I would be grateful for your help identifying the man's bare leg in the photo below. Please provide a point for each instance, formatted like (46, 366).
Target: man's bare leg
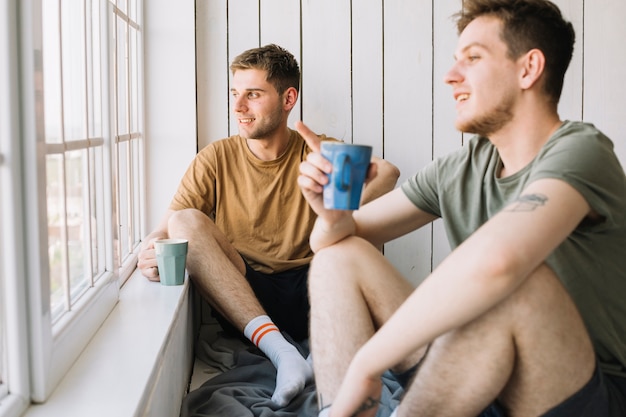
(353, 290)
(216, 267)
(218, 271)
(531, 351)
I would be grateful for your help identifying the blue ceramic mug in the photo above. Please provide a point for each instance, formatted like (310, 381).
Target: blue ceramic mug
(350, 164)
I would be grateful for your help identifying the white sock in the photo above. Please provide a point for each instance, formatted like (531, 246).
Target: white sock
(292, 369)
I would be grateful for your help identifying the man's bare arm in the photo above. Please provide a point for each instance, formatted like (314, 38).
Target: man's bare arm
(387, 175)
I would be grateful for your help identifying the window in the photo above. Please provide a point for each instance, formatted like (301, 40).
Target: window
(80, 170)
(128, 149)
(75, 154)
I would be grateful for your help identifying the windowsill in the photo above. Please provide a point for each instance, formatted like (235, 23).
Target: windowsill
(126, 369)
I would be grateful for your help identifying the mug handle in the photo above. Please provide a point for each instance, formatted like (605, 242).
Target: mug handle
(343, 176)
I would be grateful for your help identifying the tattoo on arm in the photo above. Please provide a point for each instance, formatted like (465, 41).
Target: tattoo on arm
(528, 202)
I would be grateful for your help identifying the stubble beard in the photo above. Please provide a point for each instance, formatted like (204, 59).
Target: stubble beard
(488, 123)
(271, 124)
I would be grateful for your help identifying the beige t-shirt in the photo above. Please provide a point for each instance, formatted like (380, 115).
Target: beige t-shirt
(257, 204)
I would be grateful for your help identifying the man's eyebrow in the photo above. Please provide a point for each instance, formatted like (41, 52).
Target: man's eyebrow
(248, 89)
(468, 46)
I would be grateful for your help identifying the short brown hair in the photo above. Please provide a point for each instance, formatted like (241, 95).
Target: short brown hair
(526, 25)
(282, 68)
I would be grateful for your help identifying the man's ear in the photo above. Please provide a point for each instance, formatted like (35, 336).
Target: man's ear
(533, 65)
(290, 96)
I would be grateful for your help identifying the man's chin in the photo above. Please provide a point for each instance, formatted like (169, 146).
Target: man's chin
(465, 128)
(244, 133)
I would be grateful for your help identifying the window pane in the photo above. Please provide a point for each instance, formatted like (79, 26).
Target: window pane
(129, 124)
(57, 250)
(134, 81)
(52, 71)
(96, 218)
(73, 225)
(122, 78)
(77, 224)
(94, 73)
(132, 10)
(123, 6)
(123, 181)
(74, 61)
(136, 178)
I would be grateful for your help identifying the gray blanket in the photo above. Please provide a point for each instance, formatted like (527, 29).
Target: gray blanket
(245, 387)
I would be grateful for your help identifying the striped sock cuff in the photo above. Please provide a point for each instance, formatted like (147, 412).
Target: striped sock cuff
(261, 331)
(258, 327)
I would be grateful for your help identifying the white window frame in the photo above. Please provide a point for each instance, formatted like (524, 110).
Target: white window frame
(15, 384)
(53, 348)
(40, 352)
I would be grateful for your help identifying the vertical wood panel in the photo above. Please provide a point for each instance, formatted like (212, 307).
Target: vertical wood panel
(570, 106)
(285, 34)
(367, 74)
(370, 72)
(446, 137)
(605, 69)
(243, 34)
(326, 74)
(408, 114)
(211, 71)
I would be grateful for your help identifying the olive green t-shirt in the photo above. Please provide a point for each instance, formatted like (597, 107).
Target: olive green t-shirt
(464, 190)
(256, 204)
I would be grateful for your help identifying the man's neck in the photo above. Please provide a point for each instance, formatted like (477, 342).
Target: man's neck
(520, 142)
(268, 149)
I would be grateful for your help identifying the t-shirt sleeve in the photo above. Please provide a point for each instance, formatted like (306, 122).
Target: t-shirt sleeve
(421, 189)
(587, 162)
(197, 187)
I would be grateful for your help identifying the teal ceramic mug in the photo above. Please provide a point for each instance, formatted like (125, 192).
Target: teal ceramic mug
(171, 255)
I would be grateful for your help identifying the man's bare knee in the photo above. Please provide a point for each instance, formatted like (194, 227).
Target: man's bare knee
(345, 259)
(338, 256)
(186, 219)
(554, 356)
(207, 243)
(531, 351)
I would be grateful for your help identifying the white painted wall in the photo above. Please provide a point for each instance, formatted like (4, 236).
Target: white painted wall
(170, 99)
(373, 73)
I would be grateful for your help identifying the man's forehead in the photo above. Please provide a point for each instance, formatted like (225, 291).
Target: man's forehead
(482, 32)
(251, 79)
(250, 74)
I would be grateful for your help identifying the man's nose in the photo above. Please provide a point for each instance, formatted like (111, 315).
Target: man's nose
(239, 104)
(453, 75)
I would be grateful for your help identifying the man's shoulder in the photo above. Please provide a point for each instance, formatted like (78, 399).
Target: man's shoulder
(220, 145)
(579, 138)
(321, 136)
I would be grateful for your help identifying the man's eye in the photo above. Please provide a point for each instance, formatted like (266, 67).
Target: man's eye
(253, 95)
(473, 58)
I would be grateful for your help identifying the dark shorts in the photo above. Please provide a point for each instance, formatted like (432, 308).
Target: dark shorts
(285, 298)
(603, 396)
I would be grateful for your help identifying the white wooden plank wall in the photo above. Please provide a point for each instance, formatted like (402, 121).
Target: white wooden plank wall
(372, 72)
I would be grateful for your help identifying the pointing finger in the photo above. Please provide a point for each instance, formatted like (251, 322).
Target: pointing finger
(311, 138)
